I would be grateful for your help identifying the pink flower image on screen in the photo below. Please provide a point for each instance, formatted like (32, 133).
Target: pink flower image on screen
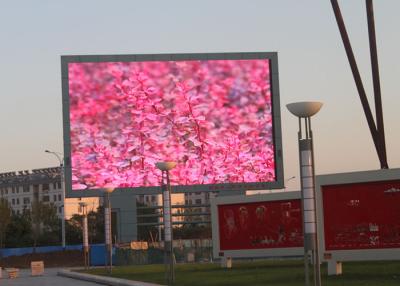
(213, 117)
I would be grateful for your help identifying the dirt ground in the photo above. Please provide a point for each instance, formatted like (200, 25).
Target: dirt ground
(70, 258)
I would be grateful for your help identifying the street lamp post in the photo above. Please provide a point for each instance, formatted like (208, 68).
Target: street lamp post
(107, 227)
(60, 158)
(165, 167)
(304, 111)
(85, 234)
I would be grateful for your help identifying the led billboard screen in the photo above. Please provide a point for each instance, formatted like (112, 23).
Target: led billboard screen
(217, 118)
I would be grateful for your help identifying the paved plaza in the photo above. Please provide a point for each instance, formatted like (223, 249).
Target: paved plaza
(50, 278)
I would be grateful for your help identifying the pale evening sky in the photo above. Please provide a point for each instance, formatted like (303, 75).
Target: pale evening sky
(312, 65)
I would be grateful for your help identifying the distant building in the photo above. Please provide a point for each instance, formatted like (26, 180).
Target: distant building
(21, 188)
(156, 200)
(198, 202)
(149, 200)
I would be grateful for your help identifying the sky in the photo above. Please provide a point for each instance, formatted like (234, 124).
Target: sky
(312, 66)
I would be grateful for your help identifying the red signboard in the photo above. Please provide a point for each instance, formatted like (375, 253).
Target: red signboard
(260, 225)
(362, 215)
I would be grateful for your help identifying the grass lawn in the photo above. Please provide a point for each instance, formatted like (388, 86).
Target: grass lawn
(281, 273)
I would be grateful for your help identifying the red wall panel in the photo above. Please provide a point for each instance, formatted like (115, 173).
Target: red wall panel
(270, 224)
(362, 215)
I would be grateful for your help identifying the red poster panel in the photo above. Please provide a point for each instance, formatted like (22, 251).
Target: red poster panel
(260, 225)
(362, 215)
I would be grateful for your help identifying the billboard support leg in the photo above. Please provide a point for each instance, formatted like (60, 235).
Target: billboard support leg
(306, 269)
(334, 267)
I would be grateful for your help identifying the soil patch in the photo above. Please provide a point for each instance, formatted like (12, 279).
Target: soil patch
(68, 258)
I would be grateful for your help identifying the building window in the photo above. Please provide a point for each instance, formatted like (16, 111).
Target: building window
(54, 185)
(198, 202)
(17, 201)
(17, 189)
(25, 189)
(54, 198)
(59, 185)
(59, 197)
(13, 201)
(45, 187)
(36, 188)
(27, 201)
(13, 190)
(46, 199)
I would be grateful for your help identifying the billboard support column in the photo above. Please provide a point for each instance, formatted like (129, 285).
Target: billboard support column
(304, 111)
(107, 228)
(165, 167)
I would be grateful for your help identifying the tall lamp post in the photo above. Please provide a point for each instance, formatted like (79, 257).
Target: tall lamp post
(304, 111)
(60, 158)
(85, 234)
(107, 227)
(165, 167)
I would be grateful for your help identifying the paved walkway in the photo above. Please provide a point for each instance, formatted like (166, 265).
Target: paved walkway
(49, 279)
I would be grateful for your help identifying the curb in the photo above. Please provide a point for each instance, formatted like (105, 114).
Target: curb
(103, 279)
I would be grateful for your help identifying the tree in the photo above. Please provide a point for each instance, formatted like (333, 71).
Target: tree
(5, 219)
(96, 225)
(146, 233)
(74, 229)
(19, 231)
(45, 223)
(193, 231)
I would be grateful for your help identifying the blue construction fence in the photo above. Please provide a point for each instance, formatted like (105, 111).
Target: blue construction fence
(98, 255)
(184, 251)
(97, 252)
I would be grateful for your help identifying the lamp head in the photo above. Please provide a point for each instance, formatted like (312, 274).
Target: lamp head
(304, 108)
(109, 189)
(165, 166)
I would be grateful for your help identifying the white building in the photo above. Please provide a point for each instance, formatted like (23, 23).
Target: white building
(21, 188)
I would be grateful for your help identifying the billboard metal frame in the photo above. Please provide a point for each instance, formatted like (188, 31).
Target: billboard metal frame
(250, 253)
(333, 256)
(276, 115)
